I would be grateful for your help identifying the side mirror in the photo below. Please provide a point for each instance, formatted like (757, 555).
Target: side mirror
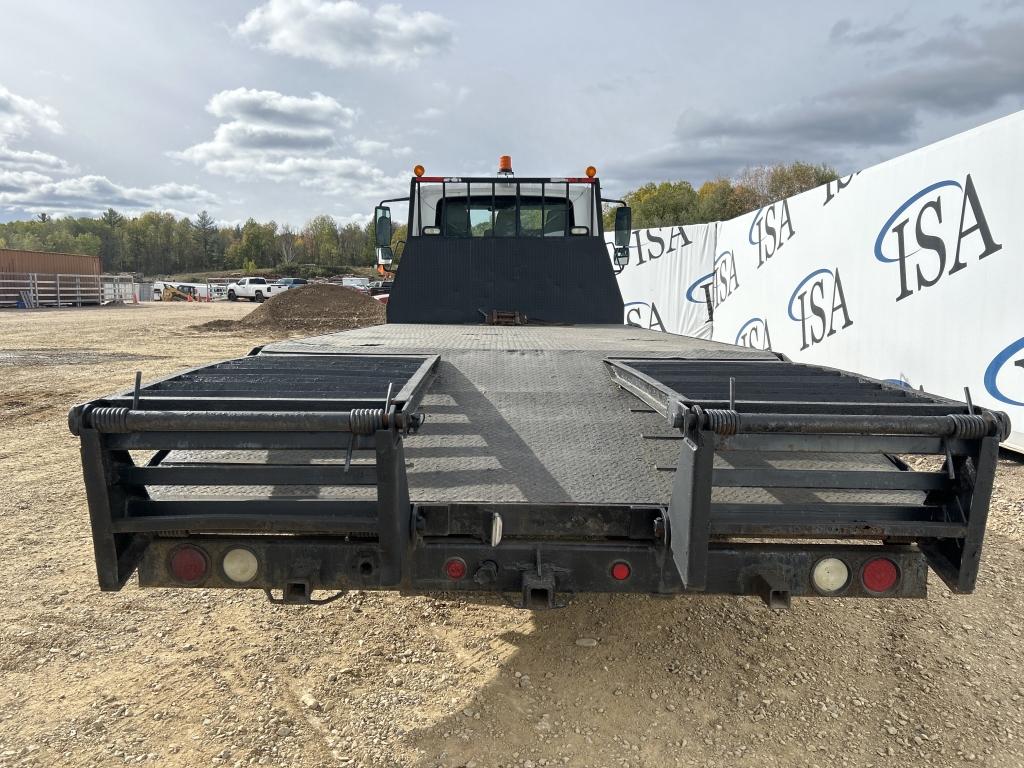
(385, 255)
(382, 228)
(621, 255)
(623, 225)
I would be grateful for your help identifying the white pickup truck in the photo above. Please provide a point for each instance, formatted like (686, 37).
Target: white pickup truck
(253, 289)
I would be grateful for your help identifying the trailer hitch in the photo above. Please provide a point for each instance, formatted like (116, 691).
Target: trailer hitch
(299, 592)
(539, 586)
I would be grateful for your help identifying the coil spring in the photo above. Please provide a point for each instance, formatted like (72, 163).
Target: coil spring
(1004, 424)
(722, 421)
(109, 419)
(969, 427)
(366, 421)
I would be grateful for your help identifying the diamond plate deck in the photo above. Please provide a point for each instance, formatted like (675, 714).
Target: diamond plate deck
(530, 414)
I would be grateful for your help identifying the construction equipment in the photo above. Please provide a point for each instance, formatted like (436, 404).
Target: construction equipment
(172, 292)
(556, 452)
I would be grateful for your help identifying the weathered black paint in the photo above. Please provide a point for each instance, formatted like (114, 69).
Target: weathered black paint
(561, 280)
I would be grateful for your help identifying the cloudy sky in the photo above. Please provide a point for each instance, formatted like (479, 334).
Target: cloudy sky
(287, 108)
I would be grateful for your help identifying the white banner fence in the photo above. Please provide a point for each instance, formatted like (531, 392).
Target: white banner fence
(910, 271)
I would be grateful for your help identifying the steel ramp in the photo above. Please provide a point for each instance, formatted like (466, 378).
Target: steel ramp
(785, 414)
(329, 404)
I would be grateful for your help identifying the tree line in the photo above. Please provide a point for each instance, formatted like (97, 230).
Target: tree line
(160, 244)
(672, 203)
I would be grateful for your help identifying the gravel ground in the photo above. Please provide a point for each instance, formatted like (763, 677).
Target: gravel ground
(194, 677)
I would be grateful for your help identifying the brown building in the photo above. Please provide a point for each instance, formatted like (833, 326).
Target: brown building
(34, 278)
(37, 262)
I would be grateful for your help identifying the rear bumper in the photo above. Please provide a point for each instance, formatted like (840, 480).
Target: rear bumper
(299, 565)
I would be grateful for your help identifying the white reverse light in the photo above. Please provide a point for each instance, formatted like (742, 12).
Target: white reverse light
(830, 574)
(240, 565)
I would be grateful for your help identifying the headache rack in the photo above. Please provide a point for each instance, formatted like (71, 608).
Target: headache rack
(767, 420)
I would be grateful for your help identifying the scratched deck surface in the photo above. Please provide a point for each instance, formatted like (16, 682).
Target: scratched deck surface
(530, 414)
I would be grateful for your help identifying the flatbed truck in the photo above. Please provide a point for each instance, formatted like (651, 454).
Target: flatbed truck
(505, 432)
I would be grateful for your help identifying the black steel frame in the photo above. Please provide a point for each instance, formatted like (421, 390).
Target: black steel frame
(380, 538)
(792, 411)
(125, 518)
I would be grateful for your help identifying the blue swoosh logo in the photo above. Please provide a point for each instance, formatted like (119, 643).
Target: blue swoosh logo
(757, 218)
(744, 327)
(702, 280)
(892, 219)
(993, 371)
(898, 383)
(801, 285)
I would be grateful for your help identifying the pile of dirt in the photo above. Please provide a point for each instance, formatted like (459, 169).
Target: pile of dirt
(315, 308)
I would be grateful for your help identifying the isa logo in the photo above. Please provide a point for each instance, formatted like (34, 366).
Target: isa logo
(719, 284)
(641, 314)
(1004, 377)
(833, 188)
(819, 305)
(771, 228)
(754, 334)
(936, 233)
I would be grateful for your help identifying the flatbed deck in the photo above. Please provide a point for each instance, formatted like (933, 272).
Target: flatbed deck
(530, 414)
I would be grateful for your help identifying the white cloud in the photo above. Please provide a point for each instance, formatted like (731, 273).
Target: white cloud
(16, 160)
(236, 138)
(39, 182)
(343, 33)
(276, 108)
(359, 219)
(266, 125)
(280, 138)
(18, 115)
(20, 181)
(369, 146)
(88, 195)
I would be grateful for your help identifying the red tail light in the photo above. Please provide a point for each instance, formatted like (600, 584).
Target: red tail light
(189, 564)
(879, 575)
(455, 568)
(621, 571)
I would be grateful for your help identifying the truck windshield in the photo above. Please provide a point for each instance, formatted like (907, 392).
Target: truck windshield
(504, 209)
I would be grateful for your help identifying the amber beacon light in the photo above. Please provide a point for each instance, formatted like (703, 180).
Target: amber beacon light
(418, 170)
(505, 164)
(591, 171)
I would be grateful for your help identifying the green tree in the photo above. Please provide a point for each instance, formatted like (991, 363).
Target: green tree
(110, 245)
(205, 229)
(660, 205)
(777, 182)
(714, 199)
(257, 244)
(321, 238)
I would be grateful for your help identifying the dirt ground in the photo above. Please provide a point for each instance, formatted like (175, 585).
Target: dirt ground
(196, 677)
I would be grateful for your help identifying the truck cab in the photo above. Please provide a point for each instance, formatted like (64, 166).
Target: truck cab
(531, 248)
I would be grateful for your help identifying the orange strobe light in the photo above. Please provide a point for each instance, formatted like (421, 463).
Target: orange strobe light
(591, 171)
(505, 164)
